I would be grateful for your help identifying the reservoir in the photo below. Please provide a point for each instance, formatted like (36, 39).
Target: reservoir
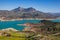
(13, 24)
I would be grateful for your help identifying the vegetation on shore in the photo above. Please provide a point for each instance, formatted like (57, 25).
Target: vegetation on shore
(50, 30)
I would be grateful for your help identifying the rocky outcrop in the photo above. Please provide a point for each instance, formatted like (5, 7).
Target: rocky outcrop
(45, 26)
(9, 29)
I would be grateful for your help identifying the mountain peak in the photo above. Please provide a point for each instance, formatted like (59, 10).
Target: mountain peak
(21, 9)
(30, 9)
(18, 9)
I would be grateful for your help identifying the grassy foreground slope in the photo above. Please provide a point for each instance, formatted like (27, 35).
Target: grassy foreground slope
(12, 38)
(16, 36)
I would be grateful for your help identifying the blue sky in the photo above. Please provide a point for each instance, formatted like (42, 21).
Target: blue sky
(41, 5)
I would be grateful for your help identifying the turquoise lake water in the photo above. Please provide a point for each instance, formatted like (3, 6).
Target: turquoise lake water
(13, 24)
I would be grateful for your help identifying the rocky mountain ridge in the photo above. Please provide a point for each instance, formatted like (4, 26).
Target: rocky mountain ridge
(26, 13)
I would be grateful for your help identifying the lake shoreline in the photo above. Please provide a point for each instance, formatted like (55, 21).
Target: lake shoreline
(25, 19)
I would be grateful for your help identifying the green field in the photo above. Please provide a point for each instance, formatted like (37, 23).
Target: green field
(17, 36)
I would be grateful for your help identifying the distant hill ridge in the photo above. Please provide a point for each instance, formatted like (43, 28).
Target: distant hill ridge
(26, 13)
